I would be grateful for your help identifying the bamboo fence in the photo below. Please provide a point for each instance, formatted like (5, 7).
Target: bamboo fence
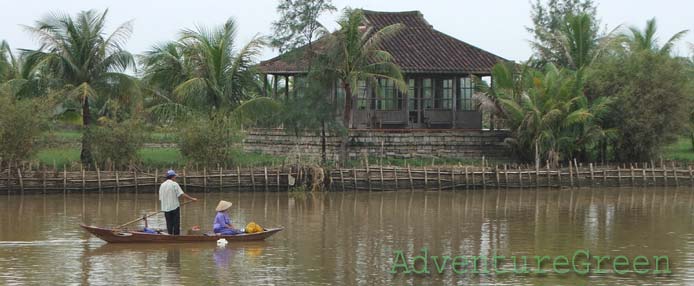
(365, 178)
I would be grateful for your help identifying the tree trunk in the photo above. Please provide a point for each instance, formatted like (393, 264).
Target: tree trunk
(324, 158)
(347, 114)
(86, 152)
(537, 156)
(691, 136)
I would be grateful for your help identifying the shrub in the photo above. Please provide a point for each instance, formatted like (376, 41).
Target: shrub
(21, 124)
(208, 141)
(117, 142)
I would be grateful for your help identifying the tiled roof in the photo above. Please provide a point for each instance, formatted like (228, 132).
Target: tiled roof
(418, 48)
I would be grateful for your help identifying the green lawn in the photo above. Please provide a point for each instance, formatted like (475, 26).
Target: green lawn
(152, 157)
(680, 150)
(76, 135)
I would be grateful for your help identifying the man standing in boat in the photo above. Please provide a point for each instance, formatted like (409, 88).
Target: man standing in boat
(169, 191)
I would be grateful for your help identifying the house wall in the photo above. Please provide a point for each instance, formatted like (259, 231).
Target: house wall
(400, 143)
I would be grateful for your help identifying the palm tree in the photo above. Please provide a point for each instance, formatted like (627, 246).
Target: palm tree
(354, 54)
(545, 111)
(87, 61)
(646, 40)
(220, 75)
(202, 71)
(577, 42)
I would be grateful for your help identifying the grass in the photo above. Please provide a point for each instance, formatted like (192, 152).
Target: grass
(681, 150)
(58, 156)
(75, 136)
(152, 157)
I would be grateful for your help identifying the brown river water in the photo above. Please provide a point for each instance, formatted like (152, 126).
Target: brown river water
(352, 238)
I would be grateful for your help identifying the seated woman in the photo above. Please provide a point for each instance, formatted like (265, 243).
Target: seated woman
(222, 222)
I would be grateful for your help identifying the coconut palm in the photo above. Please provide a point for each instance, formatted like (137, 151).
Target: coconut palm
(86, 60)
(220, 75)
(545, 111)
(203, 71)
(354, 54)
(646, 40)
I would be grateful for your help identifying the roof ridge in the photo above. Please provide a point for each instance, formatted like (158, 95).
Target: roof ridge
(392, 12)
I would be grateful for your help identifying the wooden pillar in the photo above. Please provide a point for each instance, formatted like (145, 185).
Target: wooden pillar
(454, 105)
(286, 86)
(264, 85)
(275, 94)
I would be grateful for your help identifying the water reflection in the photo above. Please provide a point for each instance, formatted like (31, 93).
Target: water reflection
(348, 238)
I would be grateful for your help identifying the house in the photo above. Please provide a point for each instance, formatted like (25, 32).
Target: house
(438, 70)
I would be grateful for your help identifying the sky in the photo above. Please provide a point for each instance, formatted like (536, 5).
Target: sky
(497, 26)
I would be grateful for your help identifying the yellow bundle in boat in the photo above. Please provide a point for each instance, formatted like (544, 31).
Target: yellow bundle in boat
(253, 227)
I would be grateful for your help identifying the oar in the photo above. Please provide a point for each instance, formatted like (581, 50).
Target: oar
(144, 217)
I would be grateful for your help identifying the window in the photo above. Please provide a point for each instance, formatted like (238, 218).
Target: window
(447, 94)
(466, 88)
(388, 97)
(361, 94)
(411, 96)
(427, 88)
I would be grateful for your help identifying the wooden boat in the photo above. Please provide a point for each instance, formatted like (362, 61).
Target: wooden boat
(120, 236)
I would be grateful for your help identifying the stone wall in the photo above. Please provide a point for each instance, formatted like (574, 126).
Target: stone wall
(396, 143)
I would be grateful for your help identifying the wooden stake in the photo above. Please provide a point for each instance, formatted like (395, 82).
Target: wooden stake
(409, 174)
(484, 179)
(204, 178)
(506, 175)
(185, 181)
(383, 187)
(354, 180)
(64, 180)
(117, 181)
(691, 176)
(496, 173)
(342, 179)
(44, 180)
(136, 181)
(578, 174)
(238, 176)
(252, 178)
(631, 170)
(83, 182)
(549, 178)
(368, 173)
(98, 178)
(643, 174)
(438, 177)
(537, 176)
(266, 180)
(21, 180)
(592, 175)
(395, 176)
(674, 171)
(221, 180)
(467, 185)
(155, 181)
(278, 179)
(520, 177)
(559, 174)
(426, 179)
(571, 174)
(619, 176)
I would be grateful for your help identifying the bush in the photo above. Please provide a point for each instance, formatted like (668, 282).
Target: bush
(21, 124)
(651, 101)
(208, 141)
(117, 142)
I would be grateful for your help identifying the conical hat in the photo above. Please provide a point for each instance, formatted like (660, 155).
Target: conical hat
(222, 206)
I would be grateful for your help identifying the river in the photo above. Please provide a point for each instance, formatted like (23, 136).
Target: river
(351, 238)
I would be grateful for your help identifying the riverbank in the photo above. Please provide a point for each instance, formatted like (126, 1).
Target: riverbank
(365, 178)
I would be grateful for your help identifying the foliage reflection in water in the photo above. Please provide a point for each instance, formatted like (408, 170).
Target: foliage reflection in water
(349, 238)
